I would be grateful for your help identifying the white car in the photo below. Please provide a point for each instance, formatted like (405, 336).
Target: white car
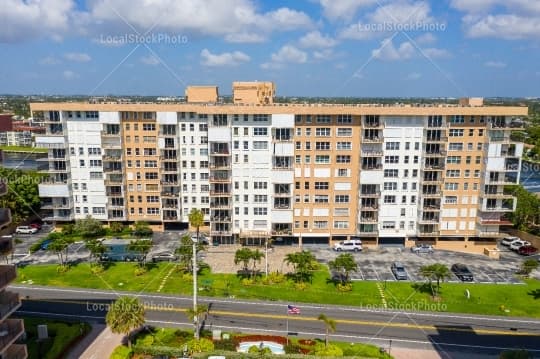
(507, 240)
(25, 230)
(517, 244)
(354, 245)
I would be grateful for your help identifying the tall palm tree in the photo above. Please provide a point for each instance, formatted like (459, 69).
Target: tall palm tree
(196, 220)
(435, 272)
(330, 326)
(125, 314)
(344, 263)
(256, 257)
(195, 314)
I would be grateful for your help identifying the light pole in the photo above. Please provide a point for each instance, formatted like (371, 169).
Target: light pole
(266, 257)
(195, 314)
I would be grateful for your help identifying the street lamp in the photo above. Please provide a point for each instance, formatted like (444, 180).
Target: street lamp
(195, 314)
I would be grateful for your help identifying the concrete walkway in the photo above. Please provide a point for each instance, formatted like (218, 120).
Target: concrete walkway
(98, 344)
(402, 353)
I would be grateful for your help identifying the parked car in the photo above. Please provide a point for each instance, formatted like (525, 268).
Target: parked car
(462, 272)
(527, 250)
(354, 245)
(399, 271)
(25, 230)
(36, 225)
(515, 245)
(164, 257)
(422, 248)
(45, 244)
(507, 240)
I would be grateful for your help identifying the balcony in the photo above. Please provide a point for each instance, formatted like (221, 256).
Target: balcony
(115, 204)
(282, 194)
(373, 139)
(220, 193)
(112, 170)
(9, 302)
(502, 181)
(436, 139)
(370, 194)
(372, 167)
(12, 330)
(369, 207)
(371, 153)
(432, 181)
(220, 205)
(436, 153)
(494, 221)
(110, 133)
(431, 194)
(169, 169)
(220, 219)
(370, 230)
(368, 220)
(490, 234)
(8, 274)
(16, 351)
(219, 165)
(282, 138)
(169, 194)
(59, 217)
(282, 206)
(498, 195)
(431, 207)
(219, 152)
(111, 143)
(428, 220)
(373, 125)
(170, 218)
(434, 166)
(220, 179)
(497, 209)
(57, 205)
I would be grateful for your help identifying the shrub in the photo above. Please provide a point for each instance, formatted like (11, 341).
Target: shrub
(254, 349)
(247, 281)
(147, 341)
(60, 269)
(301, 286)
(329, 351)
(121, 352)
(142, 229)
(188, 277)
(292, 348)
(97, 268)
(201, 345)
(347, 287)
(116, 227)
(68, 229)
(226, 344)
(139, 271)
(277, 277)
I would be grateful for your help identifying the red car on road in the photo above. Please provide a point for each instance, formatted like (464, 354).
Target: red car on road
(527, 250)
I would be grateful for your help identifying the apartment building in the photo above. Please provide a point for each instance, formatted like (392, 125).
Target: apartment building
(11, 329)
(301, 173)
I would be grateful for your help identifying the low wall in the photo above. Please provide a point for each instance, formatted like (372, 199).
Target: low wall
(464, 246)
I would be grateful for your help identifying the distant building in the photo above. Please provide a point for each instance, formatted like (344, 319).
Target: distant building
(253, 93)
(18, 133)
(202, 94)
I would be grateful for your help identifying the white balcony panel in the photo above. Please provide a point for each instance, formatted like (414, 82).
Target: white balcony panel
(284, 120)
(109, 117)
(495, 164)
(219, 134)
(50, 140)
(367, 177)
(53, 190)
(283, 177)
(284, 149)
(166, 118)
(282, 216)
(342, 186)
(321, 172)
(320, 212)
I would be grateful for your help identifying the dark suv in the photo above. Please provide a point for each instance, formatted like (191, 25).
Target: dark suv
(462, 272)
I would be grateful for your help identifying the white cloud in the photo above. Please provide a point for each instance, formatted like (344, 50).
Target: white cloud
(70, 75)
(426, 39)
(505, 19)
(414, 76)
(49, 60)
(289, 54)
(435, 53)
(150, 60)
(22, 19)
(77, 57)
(315, 39)
(495, 64)
(388, 52)
(224, 59)
(325, 54)
(244, 37)
(343, 9)
(399, 13)
(356, 32)
(271, 66)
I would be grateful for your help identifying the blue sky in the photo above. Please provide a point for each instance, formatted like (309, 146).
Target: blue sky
(358, 48)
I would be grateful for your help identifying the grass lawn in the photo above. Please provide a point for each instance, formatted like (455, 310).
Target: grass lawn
(24, 149)
(494, 299)
(61, 334)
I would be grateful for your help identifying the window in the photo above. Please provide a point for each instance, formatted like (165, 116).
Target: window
(391, 159)
(450, 199)
(98, 210)
(457, 119)
(152, 199)
(96, 175)
(390, 199)
(453, 159)
(341, 198)
(457, 146)
(306, 185)
(321, 198)
(390, 186)
(391, 173)
(260, 198)
(298, 145)
(260, 211)
(343, 172)
(341, 146)
(389, 225)
(260, 118)
(81, 163)
(260, 131)
(322, 146)
(323, 119)
(260, 185)
(344, 132)
(455, 132)
(149, 126)
(321, 132)
(151, 175)
(451, 186)
(152, 211)
(453, 173)
(150, 164)
(344, 119)
(341, 224)
(95, 163)
(341, 212)
(298, 131)
(149, 151)
(343, 159)
(320, 224)
(308, 131)
(260, 145)
(321, 185)
(392, 146)
(322, 159)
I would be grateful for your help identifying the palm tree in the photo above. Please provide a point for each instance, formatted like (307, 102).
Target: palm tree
(256, 256)
(194, 316)
(196, 219)
(437, 272)
(124, 315)
(243, 255)
(344, 263)
(302, 263)
(330, 326)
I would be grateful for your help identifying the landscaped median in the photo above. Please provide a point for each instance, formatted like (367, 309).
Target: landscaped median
(489, 299)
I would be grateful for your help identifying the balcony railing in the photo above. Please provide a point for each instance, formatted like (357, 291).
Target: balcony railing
(219, 166)
(170, 194)
(11, 329)
(372, 153)
(369, 207)
(369, 194)
(428, 220)
(220, 179)
(5, 216)
(436, 139)
(282, 206)
(502, 221)
(50, 205)
(373, 167)
(8, 274)
(373, 139)
(9, 302)
(431, 194)
(16, 351)
(221, 193)
(227, 232)
(220, 205)
(368, 220)
(221, 219)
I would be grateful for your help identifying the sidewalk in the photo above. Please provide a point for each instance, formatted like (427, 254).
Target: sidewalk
(402, 353)
(98, 344)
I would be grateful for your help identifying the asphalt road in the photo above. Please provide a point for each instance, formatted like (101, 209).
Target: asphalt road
(453, 336)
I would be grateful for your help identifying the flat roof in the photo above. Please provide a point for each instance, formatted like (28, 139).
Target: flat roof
(280, 108)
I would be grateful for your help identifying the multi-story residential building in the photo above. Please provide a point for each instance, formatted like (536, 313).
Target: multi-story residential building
(11, 329)
(300, 172)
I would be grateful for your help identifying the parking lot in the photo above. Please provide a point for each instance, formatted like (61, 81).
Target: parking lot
(374, 265)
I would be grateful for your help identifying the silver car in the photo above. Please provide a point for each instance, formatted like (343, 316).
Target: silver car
(399, 271)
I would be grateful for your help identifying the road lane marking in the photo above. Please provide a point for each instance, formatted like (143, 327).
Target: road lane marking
(440, 315)
(158, 308)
